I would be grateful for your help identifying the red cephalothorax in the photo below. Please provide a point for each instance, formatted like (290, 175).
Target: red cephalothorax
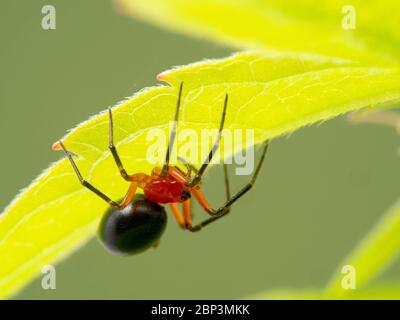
(166, 190)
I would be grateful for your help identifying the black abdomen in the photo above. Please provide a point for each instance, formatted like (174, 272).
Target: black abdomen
(133, 229)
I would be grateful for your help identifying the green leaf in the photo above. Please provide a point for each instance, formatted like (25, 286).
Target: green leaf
(381, 292)
(389, 291)
(274, 95)
(290, 25)
(373, 255)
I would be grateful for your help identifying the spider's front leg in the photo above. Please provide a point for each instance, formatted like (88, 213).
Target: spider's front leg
(119, 206)
(113, 149)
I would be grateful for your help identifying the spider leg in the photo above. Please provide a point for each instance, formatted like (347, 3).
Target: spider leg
(177, 215)
(214, 148)
(128, 197)
(113, 150)
(189, 167)
(187, 213)
(173, 133)
(202, 200)
(227, 185)
(184, 220)
(225, 209)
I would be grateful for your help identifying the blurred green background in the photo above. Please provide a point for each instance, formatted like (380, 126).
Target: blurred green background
(321, 191)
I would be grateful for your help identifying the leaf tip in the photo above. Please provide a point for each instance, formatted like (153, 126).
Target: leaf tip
(56, 146)
(161, 77)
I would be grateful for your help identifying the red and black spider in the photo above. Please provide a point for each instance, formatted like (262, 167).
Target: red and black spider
(138, 221)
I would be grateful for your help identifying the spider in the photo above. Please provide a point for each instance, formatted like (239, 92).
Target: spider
(138, 221)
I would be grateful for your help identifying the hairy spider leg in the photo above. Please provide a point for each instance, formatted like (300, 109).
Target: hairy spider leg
(113, 149)
(173, 133)
(225, 209)
(189, 167)
(214, 148)
(177, 215)
(119, 206)
(185, 219)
